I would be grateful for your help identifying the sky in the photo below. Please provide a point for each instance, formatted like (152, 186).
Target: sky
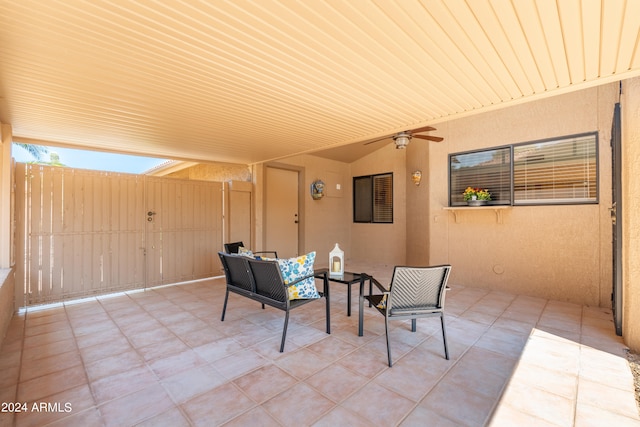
(94, 160)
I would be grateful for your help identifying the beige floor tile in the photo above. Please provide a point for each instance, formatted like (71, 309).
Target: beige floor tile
(240, 363)
(340, 416)
(336, 382)
(300, 405)
(408, 381)
(57, 407)
(219, 349)
(106, 348)
(332, 348)
(459, 404)
(190, 383)
(217, 406)
(48, 365)
(163, 357)
(507, 416)
(608, 398)
(302, 363)
(107, 335)
(89, 417)
(123, 383)
(47, 385)
(113, 365)
(421, 416)
(48, 337)
(265, 382)
(136, 407)
(541, 404)
(174, 417)
(256, 417)
(379, 405)
(594, 416)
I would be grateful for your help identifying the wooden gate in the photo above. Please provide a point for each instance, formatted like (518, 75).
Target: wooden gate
(81, 233)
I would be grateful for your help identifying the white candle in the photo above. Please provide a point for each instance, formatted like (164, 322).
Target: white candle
(336, 266)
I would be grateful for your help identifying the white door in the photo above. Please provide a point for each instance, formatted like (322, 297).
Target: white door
(281, 222)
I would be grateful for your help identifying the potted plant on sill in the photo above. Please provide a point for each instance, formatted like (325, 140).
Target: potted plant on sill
(476, 196)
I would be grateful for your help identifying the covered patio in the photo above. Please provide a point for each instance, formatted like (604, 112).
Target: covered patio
(163, 357)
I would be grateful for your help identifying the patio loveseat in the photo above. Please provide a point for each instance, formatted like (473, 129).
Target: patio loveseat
(262, 281)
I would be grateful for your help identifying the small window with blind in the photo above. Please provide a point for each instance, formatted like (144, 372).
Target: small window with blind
(487, 169)
(373, 198)
(556, 171)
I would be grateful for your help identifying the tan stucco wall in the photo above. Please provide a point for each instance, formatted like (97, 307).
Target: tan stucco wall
(418, 202)
(383, 243)
(326, 221)
(630, 109)
(556, 252)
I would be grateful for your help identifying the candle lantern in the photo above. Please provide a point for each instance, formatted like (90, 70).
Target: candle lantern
(336, 261)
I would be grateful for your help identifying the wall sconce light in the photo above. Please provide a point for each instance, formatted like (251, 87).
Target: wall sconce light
(416, 177)
(317, 189)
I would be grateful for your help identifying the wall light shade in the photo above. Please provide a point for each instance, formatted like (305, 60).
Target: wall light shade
(416, 177)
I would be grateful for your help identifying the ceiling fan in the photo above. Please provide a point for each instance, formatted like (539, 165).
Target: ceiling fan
(402, 138)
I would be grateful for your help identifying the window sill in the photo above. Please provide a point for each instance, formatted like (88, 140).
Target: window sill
(459, 210)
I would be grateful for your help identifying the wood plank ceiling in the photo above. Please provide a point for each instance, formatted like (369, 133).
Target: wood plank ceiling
(252, 81)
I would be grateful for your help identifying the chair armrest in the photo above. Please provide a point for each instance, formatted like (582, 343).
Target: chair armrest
(379, 285)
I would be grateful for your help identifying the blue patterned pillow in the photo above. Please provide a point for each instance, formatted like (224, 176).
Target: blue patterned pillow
(295, 268)
(245, 252)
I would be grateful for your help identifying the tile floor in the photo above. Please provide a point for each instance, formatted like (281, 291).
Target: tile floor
(162, 357)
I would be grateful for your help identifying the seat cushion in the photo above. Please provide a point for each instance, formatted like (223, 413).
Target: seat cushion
(293, 269)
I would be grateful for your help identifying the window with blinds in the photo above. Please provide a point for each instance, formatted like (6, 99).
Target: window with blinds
(486, 169)
(373, 198)
(558, 171)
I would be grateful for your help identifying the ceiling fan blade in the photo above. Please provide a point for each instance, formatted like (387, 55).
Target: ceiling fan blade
(424, 129)
(429, 138)
(377, 140)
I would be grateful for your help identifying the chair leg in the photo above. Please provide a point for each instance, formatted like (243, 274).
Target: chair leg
(224, 307)
(328, 311)
(444, 337)
(413, 325)
(263, 306)
(284, 330)
(386, 331)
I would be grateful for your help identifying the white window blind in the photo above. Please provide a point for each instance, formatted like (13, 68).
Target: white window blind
(383, 198)
(560, 171)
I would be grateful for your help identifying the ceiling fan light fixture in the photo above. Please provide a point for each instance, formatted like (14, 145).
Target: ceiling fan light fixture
(402, 140)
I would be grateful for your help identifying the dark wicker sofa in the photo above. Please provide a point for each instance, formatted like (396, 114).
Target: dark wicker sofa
(262, 281)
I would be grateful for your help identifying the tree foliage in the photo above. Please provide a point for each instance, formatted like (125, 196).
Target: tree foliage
(36, 151)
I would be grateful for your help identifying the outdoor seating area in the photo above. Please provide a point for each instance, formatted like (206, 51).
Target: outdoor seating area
(262, 281)
(163, 357)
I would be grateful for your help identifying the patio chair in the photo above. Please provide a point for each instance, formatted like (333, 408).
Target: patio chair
(414, 292)
(234, 247)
